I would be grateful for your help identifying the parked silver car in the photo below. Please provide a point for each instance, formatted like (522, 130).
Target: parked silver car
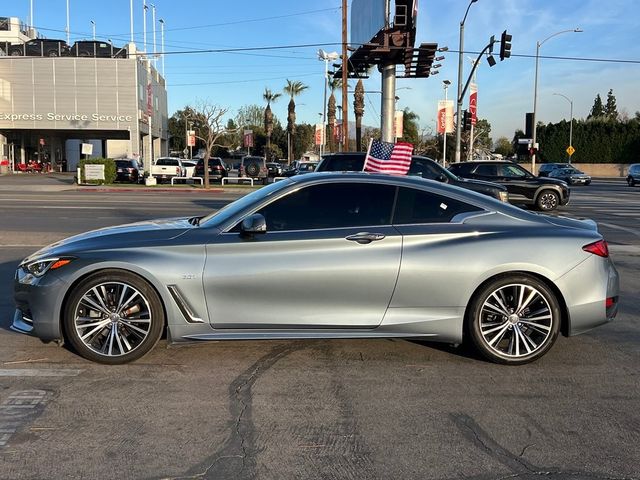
(384, 257)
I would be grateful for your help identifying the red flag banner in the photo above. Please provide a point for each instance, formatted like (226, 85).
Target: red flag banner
(385, 157)
(473, 103)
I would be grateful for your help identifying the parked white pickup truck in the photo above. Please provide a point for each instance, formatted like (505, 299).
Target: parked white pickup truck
(166, 168)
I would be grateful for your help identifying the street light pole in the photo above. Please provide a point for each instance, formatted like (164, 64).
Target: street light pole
(144, 25)
(68, 29)
(93, 29)
(162, 44)
(535, 94)
(153, 19)
(571, 121)
(459, 97)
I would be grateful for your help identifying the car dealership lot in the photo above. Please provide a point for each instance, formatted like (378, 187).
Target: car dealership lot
(313, 409)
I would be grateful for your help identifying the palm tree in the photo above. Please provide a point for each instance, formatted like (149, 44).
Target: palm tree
(292, 89)
(358, 110)
(269, 96)
(334, 84)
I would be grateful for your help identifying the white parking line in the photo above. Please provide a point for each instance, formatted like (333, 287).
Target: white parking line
(39, 372)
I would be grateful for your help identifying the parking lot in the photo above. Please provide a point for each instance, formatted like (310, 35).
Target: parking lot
(361, 409)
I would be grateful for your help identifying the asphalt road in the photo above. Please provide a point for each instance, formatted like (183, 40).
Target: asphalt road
(356, 409)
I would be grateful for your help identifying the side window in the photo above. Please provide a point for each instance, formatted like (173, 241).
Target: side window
(487, 170)
(511, 171)
(331, 206)
(418, 206)
(423, 168)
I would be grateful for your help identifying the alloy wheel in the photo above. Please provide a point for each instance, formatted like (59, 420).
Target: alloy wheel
(516, 321)
(113, 319)
(548, 201)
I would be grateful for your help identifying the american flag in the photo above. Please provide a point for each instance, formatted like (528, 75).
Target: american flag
(385, 157)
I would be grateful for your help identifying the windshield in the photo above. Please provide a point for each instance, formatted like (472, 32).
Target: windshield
(232, 209)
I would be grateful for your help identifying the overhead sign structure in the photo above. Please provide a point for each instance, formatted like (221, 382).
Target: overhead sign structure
(367, 19)
(473, 102)
(445, 116)
(570, 150)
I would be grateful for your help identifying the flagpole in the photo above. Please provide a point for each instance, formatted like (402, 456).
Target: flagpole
(364, 166)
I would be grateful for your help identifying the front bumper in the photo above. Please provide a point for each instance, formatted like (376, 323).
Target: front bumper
(38, 305)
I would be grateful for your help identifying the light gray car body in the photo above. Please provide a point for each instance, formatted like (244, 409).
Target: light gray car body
(417, 281)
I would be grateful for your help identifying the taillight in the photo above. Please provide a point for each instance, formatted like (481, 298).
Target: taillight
(130, 170)
(599, 248)
(177, 170)
(610, 302)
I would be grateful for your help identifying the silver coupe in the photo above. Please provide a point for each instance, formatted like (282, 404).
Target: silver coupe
(326, 255)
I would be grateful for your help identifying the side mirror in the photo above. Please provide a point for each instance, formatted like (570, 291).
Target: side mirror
(253, 224)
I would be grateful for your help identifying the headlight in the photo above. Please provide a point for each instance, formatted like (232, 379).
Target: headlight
(504, 196)
(39, 267)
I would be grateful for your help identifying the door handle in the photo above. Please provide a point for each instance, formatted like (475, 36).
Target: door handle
(365, 237)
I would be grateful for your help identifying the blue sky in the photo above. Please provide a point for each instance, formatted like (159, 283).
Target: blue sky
(611, 31)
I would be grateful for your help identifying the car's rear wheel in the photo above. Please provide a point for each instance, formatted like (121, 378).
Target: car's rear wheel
(15, 53)
(113, 317)
(547, 200)
(52, 53)
(514, 319)
(631, 181)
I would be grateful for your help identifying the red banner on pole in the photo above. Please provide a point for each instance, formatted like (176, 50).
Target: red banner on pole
(248, 138)
(445, 116)
(473, 103)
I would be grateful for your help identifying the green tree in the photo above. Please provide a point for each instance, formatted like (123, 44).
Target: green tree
(177, 127)
(293, 89)
(411, 128)
(358, 110)
(250, 116)
(503, 146)
(334, 84)
(269, 96)
(597, 110)
(610, 109)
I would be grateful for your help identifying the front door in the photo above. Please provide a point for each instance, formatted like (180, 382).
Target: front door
(329, 259)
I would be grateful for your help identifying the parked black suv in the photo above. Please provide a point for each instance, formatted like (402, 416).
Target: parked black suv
(217, 169)
(524, 188)
(420, 166)
(128, 170)
(41, 47)
(95, 48)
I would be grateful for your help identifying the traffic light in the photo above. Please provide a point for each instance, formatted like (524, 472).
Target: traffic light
(466, 121)
(505, 45)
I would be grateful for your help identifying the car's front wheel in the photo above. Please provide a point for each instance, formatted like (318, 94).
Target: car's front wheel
(631, 181)
(547, 200)
(113, 317)
(514, 319)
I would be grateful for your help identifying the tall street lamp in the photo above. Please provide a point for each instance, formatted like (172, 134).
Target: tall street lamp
(459, 97)
(93, 29)
(322, 55)
(571, 121)
(535, 92)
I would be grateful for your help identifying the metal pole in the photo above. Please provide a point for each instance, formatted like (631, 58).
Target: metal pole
(153, 19)
(388, 101)
(324, 105)
(535, 105)
(571, 127)
(131, 18)
(93, 29)
(162, 44)
(459, 97)
(471, 133)
(345, 97)
(67, 29)
(144, 25)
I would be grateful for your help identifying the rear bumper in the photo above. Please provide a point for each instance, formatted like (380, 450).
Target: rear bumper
(586, 289)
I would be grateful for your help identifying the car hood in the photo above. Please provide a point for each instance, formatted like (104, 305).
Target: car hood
(121, 235)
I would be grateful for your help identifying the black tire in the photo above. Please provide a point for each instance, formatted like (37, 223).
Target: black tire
(52, 53)
(588, 182)
(547, 200)
(15, 53)
(486, 317)
(126, 334)
(631, 182)
(252, 169)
